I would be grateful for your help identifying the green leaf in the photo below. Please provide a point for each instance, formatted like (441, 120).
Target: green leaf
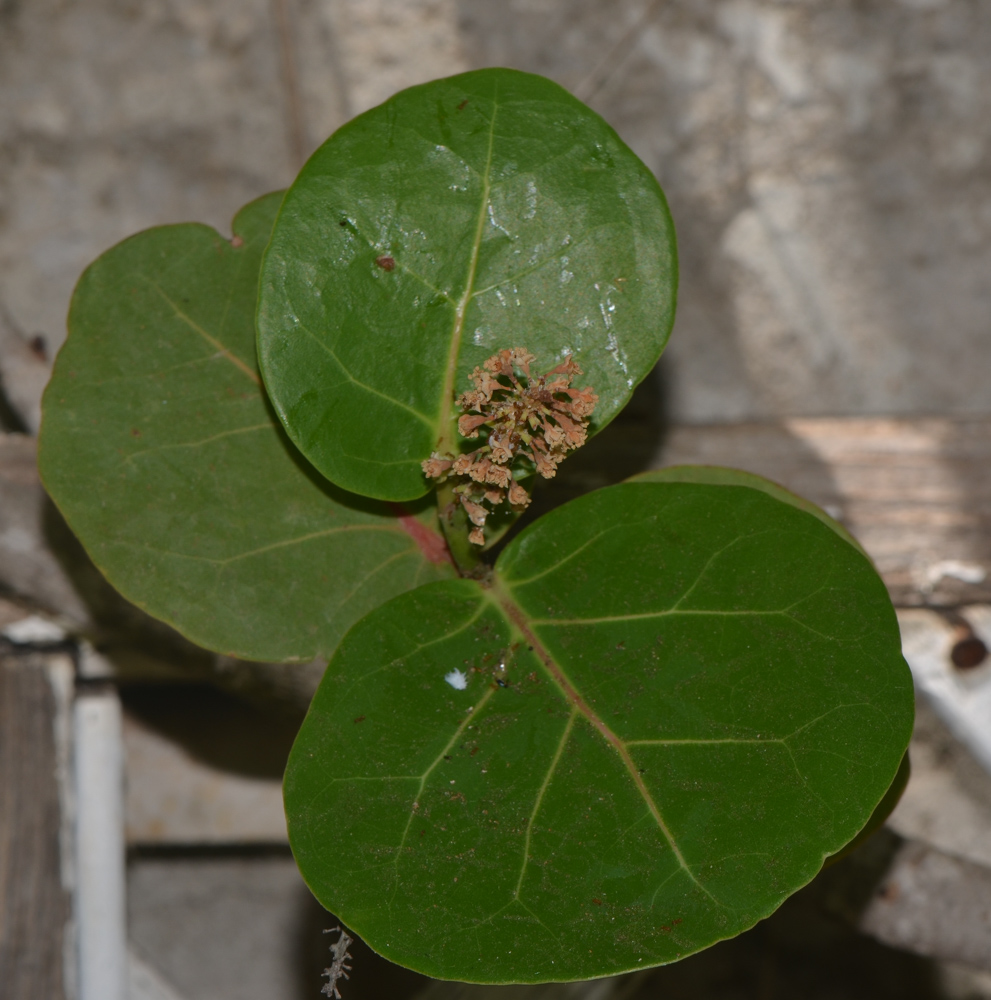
(160, 449)
(680, 699)
(484, 211)
(718, 475)
(881, 811)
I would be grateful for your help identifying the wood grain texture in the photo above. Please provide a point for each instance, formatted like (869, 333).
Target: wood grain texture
(34, 904)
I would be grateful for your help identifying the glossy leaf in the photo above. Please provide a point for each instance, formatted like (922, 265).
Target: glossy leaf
(159, 447)
(718, 475)
(480, 212)
(672, 704)
(881, 811)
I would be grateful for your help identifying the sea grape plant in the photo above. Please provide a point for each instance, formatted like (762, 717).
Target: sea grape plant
(628, 733)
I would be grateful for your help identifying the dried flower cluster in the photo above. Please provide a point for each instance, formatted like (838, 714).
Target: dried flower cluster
(536, 418)
(338, 967)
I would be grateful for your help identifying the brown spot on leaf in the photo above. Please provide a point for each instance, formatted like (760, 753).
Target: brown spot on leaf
(237, 242)
(135, 432)
(598, 902)
(360, 718)
(386, 263)
(463, 104)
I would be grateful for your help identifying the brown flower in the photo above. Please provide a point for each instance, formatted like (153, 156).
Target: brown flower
(532, 421)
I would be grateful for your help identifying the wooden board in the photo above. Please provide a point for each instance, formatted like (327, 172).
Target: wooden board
(34, 902)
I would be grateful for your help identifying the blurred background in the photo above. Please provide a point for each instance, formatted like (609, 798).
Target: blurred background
(828, 166)
(826, 163)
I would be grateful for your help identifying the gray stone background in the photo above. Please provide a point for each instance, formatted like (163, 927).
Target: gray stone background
(827, 163)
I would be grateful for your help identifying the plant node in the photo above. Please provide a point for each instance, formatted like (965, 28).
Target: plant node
(533, 421)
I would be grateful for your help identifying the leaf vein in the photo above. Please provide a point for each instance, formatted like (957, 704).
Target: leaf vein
(209, 338)
(402, 554)
(647, 615)
(540, 798)
(447, 392)
(572, 695)
(196, 444)
(262, 548)
(665, 743)
(469, 717)
(357, 382)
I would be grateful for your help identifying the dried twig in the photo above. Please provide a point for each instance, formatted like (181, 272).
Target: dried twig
(338, 967)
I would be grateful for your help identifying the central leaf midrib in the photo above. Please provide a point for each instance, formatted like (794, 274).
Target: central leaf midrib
(519, 620)
(444, 430)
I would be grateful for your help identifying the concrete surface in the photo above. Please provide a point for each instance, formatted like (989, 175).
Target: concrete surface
(905, 909)
(827, 168)
(826, 162)
(947, 803)
(223, 928)
(242, 927)
(176, 794)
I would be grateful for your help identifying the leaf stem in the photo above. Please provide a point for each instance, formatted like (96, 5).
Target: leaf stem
(455, 525)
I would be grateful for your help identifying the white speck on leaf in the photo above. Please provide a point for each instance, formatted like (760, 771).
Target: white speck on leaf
(457, 680)
(531, 200)
(492, 219)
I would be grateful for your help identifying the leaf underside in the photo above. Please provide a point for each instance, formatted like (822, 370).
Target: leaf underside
(680, 699)
(161, 450)
(484, 211)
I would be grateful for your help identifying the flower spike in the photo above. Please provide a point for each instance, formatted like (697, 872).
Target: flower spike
(533, 421)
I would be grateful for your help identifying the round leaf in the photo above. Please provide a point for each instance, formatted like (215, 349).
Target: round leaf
(485, 211)
(160, 449)
(672, 704)
(718, 475)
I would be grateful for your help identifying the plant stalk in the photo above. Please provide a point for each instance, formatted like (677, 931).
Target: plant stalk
(456, 526)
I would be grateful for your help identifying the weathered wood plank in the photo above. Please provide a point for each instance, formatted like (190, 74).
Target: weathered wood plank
(34, 903)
